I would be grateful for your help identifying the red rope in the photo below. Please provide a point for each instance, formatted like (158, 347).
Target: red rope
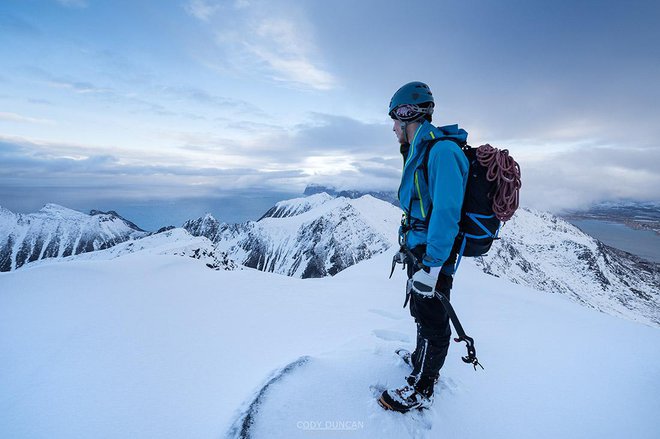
(504, 170)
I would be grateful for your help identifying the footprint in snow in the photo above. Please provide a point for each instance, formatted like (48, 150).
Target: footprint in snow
(446, 385)
(387, 335)
(386, 314)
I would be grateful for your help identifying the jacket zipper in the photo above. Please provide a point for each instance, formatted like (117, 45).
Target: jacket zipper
(419, 194)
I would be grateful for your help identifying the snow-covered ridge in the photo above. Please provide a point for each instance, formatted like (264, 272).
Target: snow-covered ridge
(389, 196)
(175, 241)
(544, 252)
(55, 231)
(314, 236)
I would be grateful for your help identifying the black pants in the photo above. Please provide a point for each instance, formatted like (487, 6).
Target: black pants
(433, 329)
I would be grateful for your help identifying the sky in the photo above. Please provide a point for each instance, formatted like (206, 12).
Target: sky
(105, 104)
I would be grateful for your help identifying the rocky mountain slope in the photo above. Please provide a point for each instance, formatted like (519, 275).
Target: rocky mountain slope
(56, 231)
(547, 253)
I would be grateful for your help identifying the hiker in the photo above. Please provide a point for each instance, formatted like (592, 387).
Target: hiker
(431, 196)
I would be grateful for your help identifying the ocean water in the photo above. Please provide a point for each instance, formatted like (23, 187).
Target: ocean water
(643, 243)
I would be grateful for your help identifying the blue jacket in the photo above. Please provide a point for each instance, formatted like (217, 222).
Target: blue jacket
(447, 174)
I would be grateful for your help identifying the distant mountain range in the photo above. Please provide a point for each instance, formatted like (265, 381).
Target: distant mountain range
(321, 235)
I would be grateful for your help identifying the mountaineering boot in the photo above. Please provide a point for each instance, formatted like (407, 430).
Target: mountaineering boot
(406, 356)
(409, 396)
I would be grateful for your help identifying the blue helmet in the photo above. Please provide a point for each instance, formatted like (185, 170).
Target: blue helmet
(411, 102)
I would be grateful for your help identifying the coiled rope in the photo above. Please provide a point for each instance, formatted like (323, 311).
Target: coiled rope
(504, 170)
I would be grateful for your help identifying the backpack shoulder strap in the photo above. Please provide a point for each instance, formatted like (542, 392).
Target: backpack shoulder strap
(425, 163)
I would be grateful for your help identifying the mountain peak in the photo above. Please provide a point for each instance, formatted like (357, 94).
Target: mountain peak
(387, 195)
(209, 217)
(56, 208)
(205, 226)
(113, 214)
(297, 206)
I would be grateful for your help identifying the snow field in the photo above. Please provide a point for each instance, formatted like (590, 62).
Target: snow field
(149, 345)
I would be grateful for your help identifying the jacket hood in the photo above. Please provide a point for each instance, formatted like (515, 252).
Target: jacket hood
(454, 132)
(428, 132)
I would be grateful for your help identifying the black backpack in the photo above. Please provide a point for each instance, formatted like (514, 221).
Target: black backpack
(479, 226)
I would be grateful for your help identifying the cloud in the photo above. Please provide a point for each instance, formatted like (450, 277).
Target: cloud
(202, 9)
(323, 136)
(327, 133)
(73, 3)
(579, 178)
(274, 41)
(291, 67)
(18, 25)
(27, 164)
(324, 145)
(13, 117)
(203, 97)
(153, 99)
(353, 154)
(287, 51)
(81, 87)
(327, 149)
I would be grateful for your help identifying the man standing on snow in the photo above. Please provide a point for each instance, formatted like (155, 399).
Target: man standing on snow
(431, 196)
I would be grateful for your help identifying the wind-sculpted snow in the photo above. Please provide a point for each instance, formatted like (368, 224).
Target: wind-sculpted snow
(56, 232)
(305, 238)
(549, 254)
(176, 241)
(241, 427)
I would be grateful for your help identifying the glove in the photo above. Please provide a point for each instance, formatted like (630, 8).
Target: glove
(424, 280)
